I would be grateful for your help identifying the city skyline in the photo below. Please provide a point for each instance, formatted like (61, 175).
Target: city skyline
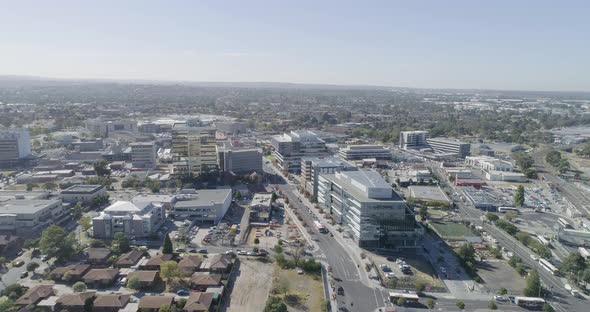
(459, 45)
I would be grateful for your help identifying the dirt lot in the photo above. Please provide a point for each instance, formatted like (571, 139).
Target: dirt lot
(498, 274)
(306, 288)
(251, 288)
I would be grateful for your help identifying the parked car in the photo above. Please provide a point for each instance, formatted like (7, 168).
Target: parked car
(340, 290)
(19, 263)
(182, 292)
(500, 298)
(24, 274)
(203, 251)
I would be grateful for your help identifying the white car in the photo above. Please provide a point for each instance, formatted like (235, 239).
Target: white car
(500, 298)
(534, 257)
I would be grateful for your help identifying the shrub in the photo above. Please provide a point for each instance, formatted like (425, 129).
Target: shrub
(461, 305)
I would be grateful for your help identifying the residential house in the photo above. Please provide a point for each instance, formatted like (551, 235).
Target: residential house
(110, 302)
(71, 273)
(73, 302)
(147, 279)
(201, 280)
(189, 264)
(98, 256)
(129, 259)
(154, 262)
(198, 302)
(218, 263)
(152, 303)
(34, 295)
(98, 278)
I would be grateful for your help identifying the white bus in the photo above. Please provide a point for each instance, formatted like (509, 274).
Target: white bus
(563, 222)
(321, 228)
(531, 302)
(505, 209)
(410, 297)
(543, 240)
(548, 266)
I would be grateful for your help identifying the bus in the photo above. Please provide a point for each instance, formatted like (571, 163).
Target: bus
(564, 223)
(321, 228)
(409, 296)
(543, 240)
(529, 302)
(548, 266)
(505, 209)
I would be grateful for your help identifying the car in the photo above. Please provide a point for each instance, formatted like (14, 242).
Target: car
(44, 258)
(229, 252)
(24, 274)
(20, 252)
(389, 275)
(249, 253)
(340, 290)
(123, 281)
(192, 250)
(534, 257)
(182, 292)
(19, 263)
(500, 298)
(203, 251)
(390, 259)
(512, 299)
(179, 249)
(300, 272)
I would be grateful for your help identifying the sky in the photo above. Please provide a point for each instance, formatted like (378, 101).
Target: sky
(524, 45)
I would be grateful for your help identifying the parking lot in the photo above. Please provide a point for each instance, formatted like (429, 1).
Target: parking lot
(408, 271)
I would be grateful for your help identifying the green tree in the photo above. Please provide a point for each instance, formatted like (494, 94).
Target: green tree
(79, 287)
(167, 248)
(531, 173)
(553, 158)
(503, 291)
(31, 186)
(519, 196)
(423, 212)
(169, 270)
(401, 301)
(238, 195)
(2, 262)
(256, 241)
(56, 242)
(548, 308)
(523, 160)
(77, 211)
(13, 291)
(430, 304)
(50, 186)
(89, 304)
(510, 215)
(120, 243)
(275, 304)
(491, 217)
(101, 168)
(492, 305)
(164, 308)
(573, 264)
(278, 249)
(134, 283)
(7, 304)
(533, 284)
(461, 305)
(85, 222)
(32, 266)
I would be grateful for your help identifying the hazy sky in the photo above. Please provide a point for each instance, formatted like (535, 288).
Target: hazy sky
(541, 45)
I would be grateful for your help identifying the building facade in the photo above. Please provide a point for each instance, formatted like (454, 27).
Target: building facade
(488, 163)
(104, 127)
(312, 167)
(369, 210)
(239, 160)
(143, 155)
(135, 220)
(82, 193)
(356, 152)
(15, 148)
(289, 148)
(27, 216)
(202, 206)
(413, 139)
(445, 146)
(194, 149)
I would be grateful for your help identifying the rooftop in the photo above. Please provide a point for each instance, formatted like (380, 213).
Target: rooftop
(331, 161)
(428, 192)
(202, 198)
(20, 206)
(86, 189)
(122, 206)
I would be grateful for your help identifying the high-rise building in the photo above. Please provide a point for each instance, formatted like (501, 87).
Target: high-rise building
(312, 167)
(194, 149)
(290, 147)
(369, 209)
(413, 139)
(15, 146)
(444, 145)
(238, 160)
(363, 151)
(143, 155)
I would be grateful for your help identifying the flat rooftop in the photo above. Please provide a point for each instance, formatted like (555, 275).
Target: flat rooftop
(428, 192)
(20, 206)
(202, 198)
(87, 189)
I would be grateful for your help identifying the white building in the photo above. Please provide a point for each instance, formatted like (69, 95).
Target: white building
(289, 148)
(494, 175)
(413, 139)
(82, 193)
(368, 208)
(203, 206)
(135, 220)
(27, 216)
(449, 146)
(143, 155)
(312, 167)
(488, 163)
(14, 144)
(364, 151)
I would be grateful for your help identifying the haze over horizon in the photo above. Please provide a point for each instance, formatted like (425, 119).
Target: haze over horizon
(529, 45)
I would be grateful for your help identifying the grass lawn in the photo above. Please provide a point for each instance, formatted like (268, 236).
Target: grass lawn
(307, 287)
(437, 213)
(450, 229)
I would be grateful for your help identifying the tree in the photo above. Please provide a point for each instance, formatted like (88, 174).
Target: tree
(492, 305)
(134, 283)
(85, 222)
(548, 308)
(77, 211)
(120, 243)
(491, 217)
(167, 248)
(32, 266)
(553, 158)
(297, 253)
(2, 262)
(401, 301)
(531, 173)
(275, 304)
(511, 215)
(430, 304)
(467, 252)
(461, 305)
(423, 212)
(420, 286)
(180, 303)
(278, 249)
(503, 291)
(533, 284)
(164, 308)
(50, 186)
(523, 160)
(519, 196)
(101, 168)
(573, 264)
(56, 242)
(88, 304)
(169, 270)
(13, 291)
(7, 304)
(256, 241)
(238, 195)
(273, 197)
(79, 287)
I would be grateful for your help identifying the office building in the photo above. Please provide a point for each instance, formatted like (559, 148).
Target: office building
(202, 206)
(82, 193)
(365, 151)
(194, 150)
(413, 139)
(238, 160)
(135, 220)
(488, 163)
(261, 207)
(104, 127)
(143, 155)
(312, 167)
(290, 147)
(369, 210)
(448, 146)
(27, 216)
(231, 127)
(15, 148)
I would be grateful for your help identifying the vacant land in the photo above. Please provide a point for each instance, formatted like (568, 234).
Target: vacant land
(251, 288)
(451, 229)
(422, 272)
(305, 292)
(498, 274)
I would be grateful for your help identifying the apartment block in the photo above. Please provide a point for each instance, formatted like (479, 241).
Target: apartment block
(143, 155)
(136, 220)
(290, 147)
(104, 127)
(239, 160)
(365, 151)
(194, 149)
(369, 210)
(413, 139)
(449, 146)
(28, 216)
